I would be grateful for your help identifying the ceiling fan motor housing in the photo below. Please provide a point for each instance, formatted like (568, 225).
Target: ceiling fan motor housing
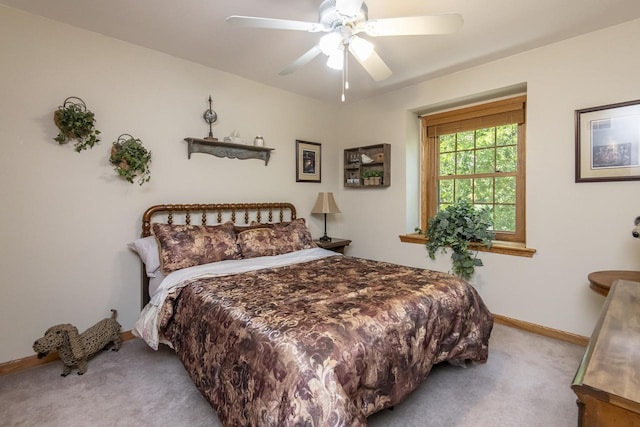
(330, 18)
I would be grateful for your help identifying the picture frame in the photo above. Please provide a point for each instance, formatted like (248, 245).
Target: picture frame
(608, 142)
(308, 161)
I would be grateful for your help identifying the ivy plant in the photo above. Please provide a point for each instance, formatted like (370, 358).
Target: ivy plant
(455, 227)
(75, 121)
(131, 159)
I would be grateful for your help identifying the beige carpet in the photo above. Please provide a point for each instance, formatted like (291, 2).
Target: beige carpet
(526, 382)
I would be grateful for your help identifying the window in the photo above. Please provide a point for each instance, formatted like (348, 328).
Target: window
(478, 154)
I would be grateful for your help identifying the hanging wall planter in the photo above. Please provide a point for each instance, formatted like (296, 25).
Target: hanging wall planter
(131, 159)
(76, 122)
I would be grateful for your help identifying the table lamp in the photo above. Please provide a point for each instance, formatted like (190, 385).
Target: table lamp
(325, 204)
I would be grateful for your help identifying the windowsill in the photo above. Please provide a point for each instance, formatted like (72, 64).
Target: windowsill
(498, 247)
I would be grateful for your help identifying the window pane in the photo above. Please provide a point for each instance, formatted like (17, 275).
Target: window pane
(479, 164)
(464, 163)
(485, 137)
(489, 208)
(506, 158)
(447, 143)
(485, 160)
(447, 164)
(507, 134)
(464, 189)
(504, 218)
(446, 191)
(483, 192)
(465, 140)
(506, 189)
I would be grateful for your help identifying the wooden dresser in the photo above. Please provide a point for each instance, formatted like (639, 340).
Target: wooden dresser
(608, 379)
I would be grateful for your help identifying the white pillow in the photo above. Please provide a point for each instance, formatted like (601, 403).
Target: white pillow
(154, 282)
(147, 249)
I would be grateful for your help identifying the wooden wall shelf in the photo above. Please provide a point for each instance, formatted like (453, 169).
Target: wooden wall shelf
(227, 149)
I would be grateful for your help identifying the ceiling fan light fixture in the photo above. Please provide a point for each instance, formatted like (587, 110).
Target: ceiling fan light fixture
(361, 48)
(331, 43)
(336, 60)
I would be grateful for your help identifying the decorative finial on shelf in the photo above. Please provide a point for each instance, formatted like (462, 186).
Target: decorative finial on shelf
(210, 117)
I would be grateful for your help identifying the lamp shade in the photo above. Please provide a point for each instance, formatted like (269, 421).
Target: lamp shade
(325, 203)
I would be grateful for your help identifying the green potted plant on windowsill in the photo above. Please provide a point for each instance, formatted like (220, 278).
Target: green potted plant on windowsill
(131, 159)
(455, 227)
(75, 121)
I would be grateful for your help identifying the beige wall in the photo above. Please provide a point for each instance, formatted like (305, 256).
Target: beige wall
(576, 228)
(65, 218)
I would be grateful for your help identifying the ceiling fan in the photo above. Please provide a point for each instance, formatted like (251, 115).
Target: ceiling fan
(343, 20)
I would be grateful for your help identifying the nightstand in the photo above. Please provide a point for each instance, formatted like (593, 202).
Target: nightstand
(336, 244)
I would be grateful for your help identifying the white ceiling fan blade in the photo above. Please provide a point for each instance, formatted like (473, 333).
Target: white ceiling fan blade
(414, 25)
(304, 59)
(349, 8)
(374, 65)
(274, 24)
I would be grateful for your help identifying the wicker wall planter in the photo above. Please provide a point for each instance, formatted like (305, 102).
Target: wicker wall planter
(75, 121)
(131, 159)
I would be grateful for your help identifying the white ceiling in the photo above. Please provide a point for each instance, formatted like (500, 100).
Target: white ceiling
(196, 30)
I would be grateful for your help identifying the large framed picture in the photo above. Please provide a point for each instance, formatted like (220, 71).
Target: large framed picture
(308, 161)
(608, 142)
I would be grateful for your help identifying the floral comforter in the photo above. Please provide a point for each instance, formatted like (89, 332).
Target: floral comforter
(321, 343)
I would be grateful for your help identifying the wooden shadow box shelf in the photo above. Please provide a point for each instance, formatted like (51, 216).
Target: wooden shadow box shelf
(368, 166)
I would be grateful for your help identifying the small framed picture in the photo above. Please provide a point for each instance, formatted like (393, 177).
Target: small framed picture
(608, 143)
(308, 161)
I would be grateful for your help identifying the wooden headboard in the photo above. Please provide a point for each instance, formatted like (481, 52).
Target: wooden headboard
(211, 214)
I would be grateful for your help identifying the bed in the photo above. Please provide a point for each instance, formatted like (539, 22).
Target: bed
(275, 331)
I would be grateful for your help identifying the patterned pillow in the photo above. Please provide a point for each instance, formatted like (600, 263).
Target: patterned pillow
(255, 242)
(240, 228)
(299, 232)
(275, 239)
(183, 246)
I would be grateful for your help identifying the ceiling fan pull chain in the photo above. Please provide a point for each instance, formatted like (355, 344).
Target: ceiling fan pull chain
(346, 67)
(344, 79)
(345, 71)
